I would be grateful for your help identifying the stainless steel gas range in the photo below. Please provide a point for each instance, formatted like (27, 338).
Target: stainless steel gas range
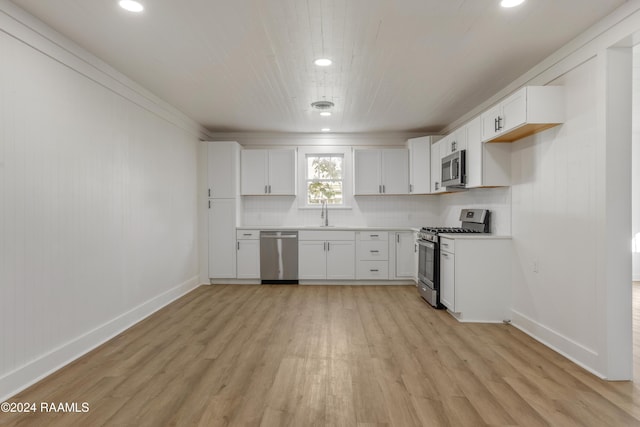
(473, 221)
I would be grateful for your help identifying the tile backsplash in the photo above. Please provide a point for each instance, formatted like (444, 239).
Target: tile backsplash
(383, 211)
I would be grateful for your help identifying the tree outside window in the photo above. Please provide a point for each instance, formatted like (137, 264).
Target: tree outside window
(324, 179)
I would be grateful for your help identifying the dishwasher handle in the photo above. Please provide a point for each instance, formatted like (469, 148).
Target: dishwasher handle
(276, 236)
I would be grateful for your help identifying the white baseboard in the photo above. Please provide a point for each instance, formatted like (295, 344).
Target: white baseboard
(27, 375)
(576, 352)
(358, 282)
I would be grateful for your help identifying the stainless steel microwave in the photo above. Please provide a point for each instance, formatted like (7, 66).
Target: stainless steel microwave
(453, 170)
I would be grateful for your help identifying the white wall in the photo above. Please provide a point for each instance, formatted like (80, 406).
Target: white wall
(635, 188)
(553, 178)
(97, 203)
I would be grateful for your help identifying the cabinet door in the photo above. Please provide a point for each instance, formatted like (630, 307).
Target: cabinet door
(248, 259)
(405, 255)
(254, 172)
(514, 111)
(474, 153)
(222, 169)
(489, 123)
(458, 140)
(222, 238)
(341, 260)
(282, 172)
(312, 260)
(395, 171)
(420, 165)
(447, 280)
(436, 166)
(367, 173)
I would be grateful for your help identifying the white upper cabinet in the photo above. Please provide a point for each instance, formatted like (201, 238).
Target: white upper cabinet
(268, 172)
(395, 171)
(222, 167)
(530, 110)
(487, 165)
(367, 172)
(420, 165)
(436, 165)
(381, 171)
(455, 141)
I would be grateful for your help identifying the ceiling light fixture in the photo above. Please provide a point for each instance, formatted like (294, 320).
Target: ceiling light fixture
(325, 130)
(511, 3)
(325, 113)
(323, 62)
(322, 105)
(131, 5)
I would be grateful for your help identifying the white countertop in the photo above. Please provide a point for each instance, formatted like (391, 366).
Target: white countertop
(475, 236)
(330, 228)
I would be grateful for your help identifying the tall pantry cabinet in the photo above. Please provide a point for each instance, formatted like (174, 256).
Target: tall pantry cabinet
(223, 193)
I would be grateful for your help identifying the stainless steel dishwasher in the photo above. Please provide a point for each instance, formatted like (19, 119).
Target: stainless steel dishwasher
(279, 257)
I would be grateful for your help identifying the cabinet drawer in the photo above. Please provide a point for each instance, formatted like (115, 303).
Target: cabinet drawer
(371, 250)
(374, 235)
(373, 270)
(447, 245)
(247, 234)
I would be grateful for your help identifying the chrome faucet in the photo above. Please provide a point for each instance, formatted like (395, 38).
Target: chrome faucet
(324, 213)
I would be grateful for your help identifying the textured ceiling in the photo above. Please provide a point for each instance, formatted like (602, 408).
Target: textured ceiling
(247, 65)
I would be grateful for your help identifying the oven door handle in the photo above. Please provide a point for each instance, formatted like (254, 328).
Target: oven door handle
(429, 245)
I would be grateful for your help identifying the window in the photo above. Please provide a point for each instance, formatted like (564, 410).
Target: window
(324, 179)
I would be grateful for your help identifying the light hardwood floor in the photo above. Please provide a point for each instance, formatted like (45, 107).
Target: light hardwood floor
(325, 356)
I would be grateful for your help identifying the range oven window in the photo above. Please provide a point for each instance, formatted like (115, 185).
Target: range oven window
(426, 261)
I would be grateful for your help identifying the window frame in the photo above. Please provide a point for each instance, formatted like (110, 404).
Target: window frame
(347, 182)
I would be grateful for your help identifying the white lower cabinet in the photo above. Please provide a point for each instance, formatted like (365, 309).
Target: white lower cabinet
(248, 254)
(475, 276)
(405, 255)
(340, 260)
(448, 280)
(372, 253)
(222, 238)
(326, 255)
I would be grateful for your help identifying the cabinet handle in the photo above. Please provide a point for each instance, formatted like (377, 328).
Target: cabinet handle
(269, 188)
(374, 235)
(410, 188)
(374, 270)
(265, 189)
(324, 245)
(380, 189)
(374, 252)
(445, 255)
(209, 192)
(238, 245)
(499, 123)
(384, 190)
(453, 146)
(398, 238)
(247, 234)
(209, 204)
(436, 186)
(415, 247)
(446, 245)
(495, 124)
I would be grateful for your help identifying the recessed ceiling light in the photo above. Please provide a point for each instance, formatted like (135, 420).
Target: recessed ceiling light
(511, 3)
(325, 113)
(325, 130)
(131, 5)
(323, 62)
